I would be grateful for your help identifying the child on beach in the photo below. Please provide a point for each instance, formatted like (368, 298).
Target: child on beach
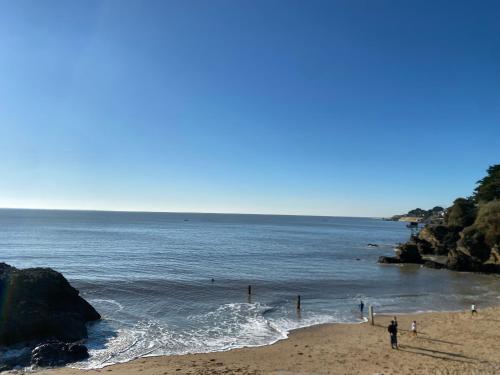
(414, 328)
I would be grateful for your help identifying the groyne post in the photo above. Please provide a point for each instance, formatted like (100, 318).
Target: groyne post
(370, 314)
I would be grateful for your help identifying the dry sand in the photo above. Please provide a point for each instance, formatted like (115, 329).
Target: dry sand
(448, 343)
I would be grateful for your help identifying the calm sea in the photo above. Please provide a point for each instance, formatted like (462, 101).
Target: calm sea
(150, 275)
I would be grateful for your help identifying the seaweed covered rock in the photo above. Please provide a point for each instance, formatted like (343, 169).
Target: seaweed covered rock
(39, 303)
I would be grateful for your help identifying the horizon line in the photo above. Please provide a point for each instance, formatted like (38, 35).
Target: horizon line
(179, 212)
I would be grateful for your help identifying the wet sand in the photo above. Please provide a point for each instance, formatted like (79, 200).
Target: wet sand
(447, 343)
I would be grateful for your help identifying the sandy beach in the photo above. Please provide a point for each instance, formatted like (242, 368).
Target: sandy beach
(447, 343)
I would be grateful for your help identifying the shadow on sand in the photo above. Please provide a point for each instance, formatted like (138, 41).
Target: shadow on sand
(447, 356)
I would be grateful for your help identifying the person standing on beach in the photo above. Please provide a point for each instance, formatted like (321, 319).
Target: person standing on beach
(361, 307)
(414, 328)
(473, 309)
(393, 332)
(396, 332)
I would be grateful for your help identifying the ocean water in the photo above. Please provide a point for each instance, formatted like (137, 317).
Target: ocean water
(150, 275)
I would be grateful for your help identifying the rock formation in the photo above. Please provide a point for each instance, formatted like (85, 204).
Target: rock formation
(469, 234)
(406, 253)
(437, 239)
(56, 353)
(39, 303)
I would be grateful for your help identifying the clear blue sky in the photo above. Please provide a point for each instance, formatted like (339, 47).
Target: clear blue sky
(360, 108)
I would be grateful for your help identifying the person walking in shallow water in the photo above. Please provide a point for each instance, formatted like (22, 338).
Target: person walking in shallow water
(361, 307)
(393, 332)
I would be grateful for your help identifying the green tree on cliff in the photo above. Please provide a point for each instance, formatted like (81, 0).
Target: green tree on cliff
(488, 222)
(488, 188)
(461, 214)
(418, 212)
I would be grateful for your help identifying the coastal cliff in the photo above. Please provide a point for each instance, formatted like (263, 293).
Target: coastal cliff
(469, 236)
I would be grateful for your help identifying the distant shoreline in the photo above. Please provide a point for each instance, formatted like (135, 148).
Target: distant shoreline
(412, 219)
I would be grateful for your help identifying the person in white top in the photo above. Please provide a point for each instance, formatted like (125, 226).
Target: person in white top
(414, 328)
(473, 309)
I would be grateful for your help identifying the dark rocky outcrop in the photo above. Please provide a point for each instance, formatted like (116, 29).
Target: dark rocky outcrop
(406, 253)
(474, 254)
(389, 260)
(50, 353)
(409, 253)
(467, 249)
(493, 262)
(39, 304)
(433, 264)
(471, 249)
(469, 234)
(57, 353)
(437, 239)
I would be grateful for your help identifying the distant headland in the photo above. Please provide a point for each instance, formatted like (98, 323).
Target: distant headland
(434, 215)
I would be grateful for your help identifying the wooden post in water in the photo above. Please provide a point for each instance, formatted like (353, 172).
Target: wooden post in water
(298, 302)
(370, 314)
(249, 289)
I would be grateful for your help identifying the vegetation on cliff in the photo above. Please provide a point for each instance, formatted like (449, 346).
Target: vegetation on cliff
(470, 233)
(488, 188)
(488, 222)
(461, 214)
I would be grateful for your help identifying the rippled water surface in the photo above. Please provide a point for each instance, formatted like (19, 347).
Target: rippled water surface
(150, 275)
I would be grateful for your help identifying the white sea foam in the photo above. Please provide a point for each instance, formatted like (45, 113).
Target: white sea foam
(96, 301)
(230, 326)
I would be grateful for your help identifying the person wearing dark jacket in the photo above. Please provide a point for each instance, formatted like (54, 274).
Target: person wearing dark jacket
(393, 332)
